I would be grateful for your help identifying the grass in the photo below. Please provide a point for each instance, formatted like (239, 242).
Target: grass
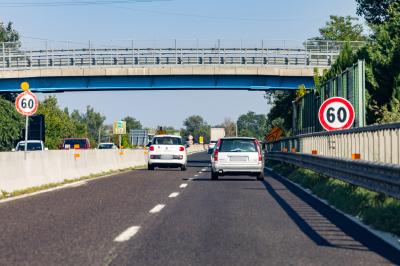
(377, 210)
(6, 194)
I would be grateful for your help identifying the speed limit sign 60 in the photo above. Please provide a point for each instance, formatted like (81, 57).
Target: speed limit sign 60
(26, 103)
(336, 113)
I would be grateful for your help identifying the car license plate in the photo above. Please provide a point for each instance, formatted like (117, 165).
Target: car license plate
(238, 158)
(167, 157)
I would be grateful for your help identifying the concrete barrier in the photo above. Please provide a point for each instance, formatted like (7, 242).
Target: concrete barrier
(196, 148)
(44, 167)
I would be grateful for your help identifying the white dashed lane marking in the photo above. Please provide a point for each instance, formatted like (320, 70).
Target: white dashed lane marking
(196, 175)
(157, 208)
(183, 185)
(173, 195)
(127, 234)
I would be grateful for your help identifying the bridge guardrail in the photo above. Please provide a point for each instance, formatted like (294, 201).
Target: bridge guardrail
(377, 143)
(378, 177)
(16, 56)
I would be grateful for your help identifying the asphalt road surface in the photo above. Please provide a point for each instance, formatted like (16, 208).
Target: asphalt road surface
(171, 217)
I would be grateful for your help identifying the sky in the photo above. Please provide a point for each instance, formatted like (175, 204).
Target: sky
(160, 21)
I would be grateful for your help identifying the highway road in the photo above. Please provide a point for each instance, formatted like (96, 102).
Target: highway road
(170, 217)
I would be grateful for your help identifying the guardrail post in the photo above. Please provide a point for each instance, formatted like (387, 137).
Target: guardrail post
(176, 53)
(47, 53)
(262, 52)
(90, 53)
(4, 55)
(133, 52)
(219, 49)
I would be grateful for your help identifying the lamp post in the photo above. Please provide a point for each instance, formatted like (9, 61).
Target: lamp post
(236, 124)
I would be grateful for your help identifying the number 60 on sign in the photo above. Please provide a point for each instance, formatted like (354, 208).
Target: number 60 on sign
(336, 113)
(26, 103)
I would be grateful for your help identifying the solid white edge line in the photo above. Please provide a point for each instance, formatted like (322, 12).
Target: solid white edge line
(183, 185)
(127, 234)
(157, 208)
(173, 195)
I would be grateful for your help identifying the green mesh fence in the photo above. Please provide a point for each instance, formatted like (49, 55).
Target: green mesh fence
(350, 84)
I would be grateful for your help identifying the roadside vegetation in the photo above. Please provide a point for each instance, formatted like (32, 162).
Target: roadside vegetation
(374, 209)
(380, 52)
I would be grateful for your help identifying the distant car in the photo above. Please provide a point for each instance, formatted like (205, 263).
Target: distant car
(107, 146)
(75, 143)
(211, 146)
(33, 145)
(167, 151)
(237, 156)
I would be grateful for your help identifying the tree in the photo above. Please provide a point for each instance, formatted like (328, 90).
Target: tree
(11, 125)
(58, 124)
(252, 125)
(342, 29)
(281, 112)
(132, 123)
(8, 33)
(229, 126)
(196, 126)
(374, 11)
(93, 121)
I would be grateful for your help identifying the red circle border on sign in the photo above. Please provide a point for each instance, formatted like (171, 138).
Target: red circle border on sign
(343, 101)
(22, 111)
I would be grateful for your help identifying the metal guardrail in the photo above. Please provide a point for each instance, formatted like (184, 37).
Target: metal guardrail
(381, 178)
(18, 56)
(377, 143)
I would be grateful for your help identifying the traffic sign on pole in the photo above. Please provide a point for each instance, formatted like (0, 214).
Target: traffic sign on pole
(336, 113)
(26, 103)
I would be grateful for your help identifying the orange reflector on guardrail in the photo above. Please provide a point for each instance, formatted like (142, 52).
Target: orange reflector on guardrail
(76, 146)
(121, 153)
(356, 156)
(294, 150)
(77, 155)
(284, 150)
(314, 152)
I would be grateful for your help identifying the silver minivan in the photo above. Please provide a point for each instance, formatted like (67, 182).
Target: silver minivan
(237, 156)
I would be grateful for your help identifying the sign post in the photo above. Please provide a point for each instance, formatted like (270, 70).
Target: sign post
(26, 104)
(119, 128)
(336, 113)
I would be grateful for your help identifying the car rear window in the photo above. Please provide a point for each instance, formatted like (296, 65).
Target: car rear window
(167, 141)
(238, 145)
(70, 143)
(106, 146)
(31, 147)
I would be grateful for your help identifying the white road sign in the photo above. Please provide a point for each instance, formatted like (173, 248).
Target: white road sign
(336, 113)
(26, 103)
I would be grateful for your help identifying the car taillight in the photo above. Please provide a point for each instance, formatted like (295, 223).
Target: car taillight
(216, 155)
(181, 148)
(151, 148)
(259, 150)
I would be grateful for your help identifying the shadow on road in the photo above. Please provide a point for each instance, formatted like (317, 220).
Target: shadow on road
(323, 225)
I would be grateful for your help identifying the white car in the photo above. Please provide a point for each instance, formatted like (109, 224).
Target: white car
(107, 146)
(167, 151)
(33, 145)
(237, 156)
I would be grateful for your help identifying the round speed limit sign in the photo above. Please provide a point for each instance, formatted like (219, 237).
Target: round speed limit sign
(26, 103)
(336, 113)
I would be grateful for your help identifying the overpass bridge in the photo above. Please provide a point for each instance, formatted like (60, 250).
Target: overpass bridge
(172, 67)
